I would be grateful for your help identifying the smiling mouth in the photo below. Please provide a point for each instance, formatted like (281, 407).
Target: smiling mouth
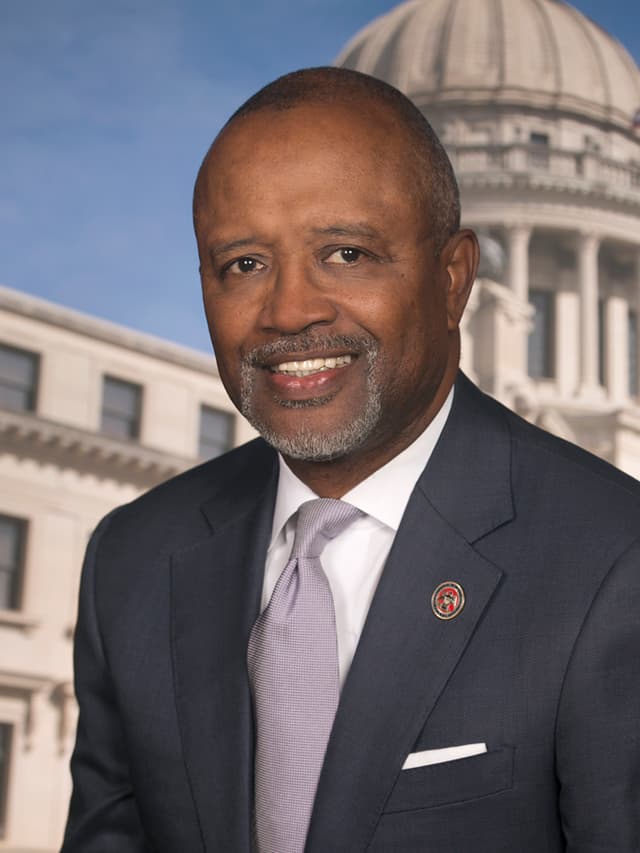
(310, 366)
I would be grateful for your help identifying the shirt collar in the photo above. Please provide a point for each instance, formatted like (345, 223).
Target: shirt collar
(383, 495)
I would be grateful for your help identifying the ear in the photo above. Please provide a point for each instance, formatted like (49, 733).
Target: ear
(460, 258)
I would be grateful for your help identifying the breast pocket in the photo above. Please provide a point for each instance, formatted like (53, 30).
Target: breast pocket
(453, 781)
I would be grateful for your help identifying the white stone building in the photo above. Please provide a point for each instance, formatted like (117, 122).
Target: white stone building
(539, 109)
(91, 414)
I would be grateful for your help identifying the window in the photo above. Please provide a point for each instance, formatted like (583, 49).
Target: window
(5, 749)
(634, 385)
(539, 138)
(216, 432)
(539, 150)
(12, 547)
(18, 379)
(121, 406)
(541, 354)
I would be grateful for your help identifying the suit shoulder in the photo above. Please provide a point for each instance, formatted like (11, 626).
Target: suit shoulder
(171, 510)
(579, 467)
(549, 472)
(588, 499)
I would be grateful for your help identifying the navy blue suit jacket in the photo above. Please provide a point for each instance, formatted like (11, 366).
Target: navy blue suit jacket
(542, 664)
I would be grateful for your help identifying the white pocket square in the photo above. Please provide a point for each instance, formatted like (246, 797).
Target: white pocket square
(437, 756)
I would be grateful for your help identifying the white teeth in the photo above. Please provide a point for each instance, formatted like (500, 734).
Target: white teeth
(311, 365)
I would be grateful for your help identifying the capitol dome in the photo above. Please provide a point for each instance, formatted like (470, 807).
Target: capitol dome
(539, 111)
(537, 53)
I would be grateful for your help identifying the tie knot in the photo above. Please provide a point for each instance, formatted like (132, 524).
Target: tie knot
(318, 522)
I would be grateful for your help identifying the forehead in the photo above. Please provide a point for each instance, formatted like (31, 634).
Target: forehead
(357, 147)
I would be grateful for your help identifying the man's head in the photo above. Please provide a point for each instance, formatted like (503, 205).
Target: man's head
(334, 275)
(436, 183)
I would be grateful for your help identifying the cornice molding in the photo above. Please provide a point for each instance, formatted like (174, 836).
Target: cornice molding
(90, 452)
(551, 170)
(552, 184)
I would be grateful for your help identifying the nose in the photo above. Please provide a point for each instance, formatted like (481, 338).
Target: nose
(295, 301)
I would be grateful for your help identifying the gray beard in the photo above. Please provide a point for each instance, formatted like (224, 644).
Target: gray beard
(308, 444)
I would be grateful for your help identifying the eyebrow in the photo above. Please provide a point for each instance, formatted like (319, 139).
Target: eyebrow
(355, 229)
(352, 229)
(232, 245)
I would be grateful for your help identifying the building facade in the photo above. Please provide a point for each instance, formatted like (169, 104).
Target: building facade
(539, 109)
(91, 415)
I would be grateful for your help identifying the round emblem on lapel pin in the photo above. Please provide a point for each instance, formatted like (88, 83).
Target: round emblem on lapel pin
(447, 600)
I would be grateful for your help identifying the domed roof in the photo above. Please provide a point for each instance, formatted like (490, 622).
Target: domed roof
(539, 53)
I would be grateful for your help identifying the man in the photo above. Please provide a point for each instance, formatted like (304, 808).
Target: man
(482, 692)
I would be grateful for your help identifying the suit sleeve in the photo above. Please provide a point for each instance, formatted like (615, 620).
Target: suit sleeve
(103, 816)
(598, 731)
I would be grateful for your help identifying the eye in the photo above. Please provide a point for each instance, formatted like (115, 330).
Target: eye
(345, 255)
(244, 266)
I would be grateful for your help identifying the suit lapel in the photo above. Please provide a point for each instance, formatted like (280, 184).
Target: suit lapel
(216, 586)
(406, 655)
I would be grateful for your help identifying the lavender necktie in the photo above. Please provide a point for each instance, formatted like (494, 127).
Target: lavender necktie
(293, 670)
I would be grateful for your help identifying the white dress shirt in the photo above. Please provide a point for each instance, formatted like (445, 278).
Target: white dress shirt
(353, 561)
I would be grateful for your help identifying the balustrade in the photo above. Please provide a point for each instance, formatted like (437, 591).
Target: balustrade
(590, 170)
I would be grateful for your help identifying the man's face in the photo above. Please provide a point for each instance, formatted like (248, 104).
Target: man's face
(326, 304)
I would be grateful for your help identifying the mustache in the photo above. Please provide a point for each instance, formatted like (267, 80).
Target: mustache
(307, 343)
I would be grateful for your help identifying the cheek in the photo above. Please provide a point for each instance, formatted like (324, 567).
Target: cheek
(227, 338)
(229, 323)
(425, 340)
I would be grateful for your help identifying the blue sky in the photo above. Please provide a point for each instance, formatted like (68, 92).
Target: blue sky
(107, 109)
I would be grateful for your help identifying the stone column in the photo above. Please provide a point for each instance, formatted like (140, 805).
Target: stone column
(518, 238)
(588, 246)
(616, 365)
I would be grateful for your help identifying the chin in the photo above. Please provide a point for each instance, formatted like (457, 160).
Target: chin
(311, 444)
